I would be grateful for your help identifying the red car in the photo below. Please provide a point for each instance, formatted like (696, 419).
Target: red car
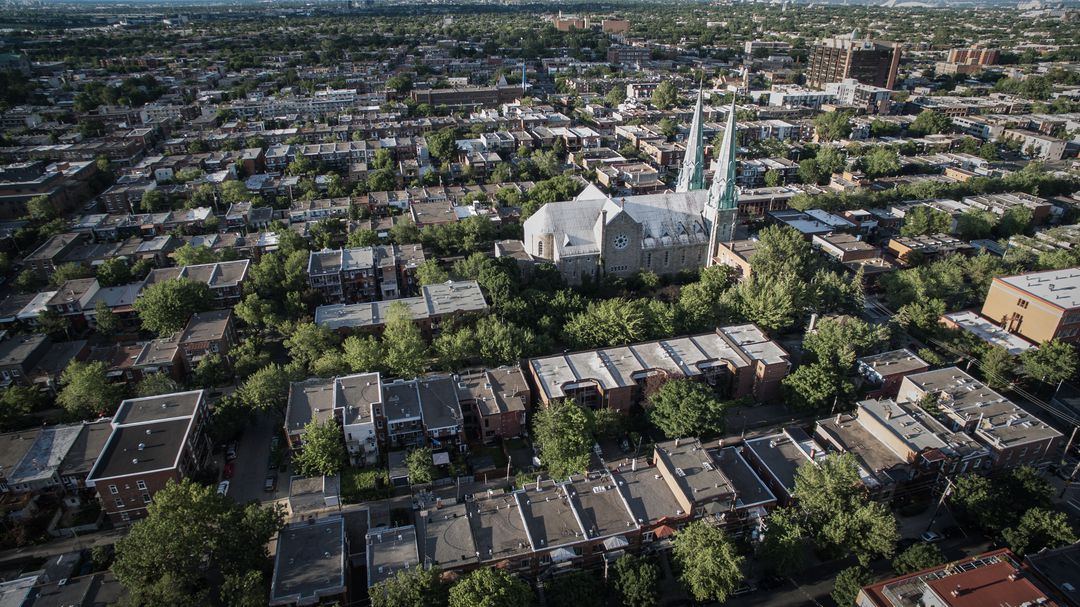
(227, 472)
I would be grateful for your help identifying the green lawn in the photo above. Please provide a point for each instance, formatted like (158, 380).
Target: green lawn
(364, 484)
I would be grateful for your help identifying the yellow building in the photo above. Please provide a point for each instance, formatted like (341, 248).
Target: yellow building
(1039, 306)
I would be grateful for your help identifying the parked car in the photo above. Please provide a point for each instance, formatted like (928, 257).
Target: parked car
(223, 488)
(931, 537)
(227, 470)
(230, 452)
(271, 482)
(744, 589)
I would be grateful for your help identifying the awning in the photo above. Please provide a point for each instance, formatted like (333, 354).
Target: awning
(664, 531)
(616, 542)
(561, 554)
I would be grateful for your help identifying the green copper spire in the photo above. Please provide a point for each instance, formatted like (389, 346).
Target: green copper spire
(723, 194)
(692, 172)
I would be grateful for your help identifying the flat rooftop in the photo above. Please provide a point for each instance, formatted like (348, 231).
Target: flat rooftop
(750, 491)
(439, 402)
(695, 472)
(734, 346)
(991, 333)
(648, 496)
(157, 408)
(435, 300)
(601, 508)
(206, 326)
(549, 517)
(782, 454)
(971, 404)
(894, 362)
(1058, 287)
(311, 399)
(390, 551)
(43, 459)
(446, 538)
(497, 527)
(140, 449)
(310, 562)
(1061, 569)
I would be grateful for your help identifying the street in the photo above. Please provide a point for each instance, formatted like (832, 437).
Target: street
(250, 466)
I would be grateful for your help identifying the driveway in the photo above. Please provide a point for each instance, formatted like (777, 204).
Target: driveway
(249, 467)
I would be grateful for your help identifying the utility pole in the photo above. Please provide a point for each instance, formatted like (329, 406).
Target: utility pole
(1076, 469)
(941, 500)
(1068, 446)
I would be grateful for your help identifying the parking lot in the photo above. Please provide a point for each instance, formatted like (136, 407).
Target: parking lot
(250, 465)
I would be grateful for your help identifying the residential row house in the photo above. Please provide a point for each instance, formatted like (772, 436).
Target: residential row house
(353, 275)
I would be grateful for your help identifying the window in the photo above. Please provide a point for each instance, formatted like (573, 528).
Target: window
(213, 347)
(540, 248)
(1022, 303)
(146, 498)
(113, 490)
(667, 258)
(119, 502)
(124, 516)
(141, 485)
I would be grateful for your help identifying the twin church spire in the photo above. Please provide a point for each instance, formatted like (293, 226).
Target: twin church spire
(722, 192)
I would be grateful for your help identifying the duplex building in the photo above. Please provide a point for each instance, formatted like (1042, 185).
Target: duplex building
(494, 403)
(310, 564)
(434, 303)
(363, 274)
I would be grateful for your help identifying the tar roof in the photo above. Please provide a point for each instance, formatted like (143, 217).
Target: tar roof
(749, 489)
(206, 326)
(86, 448)
(312, 399)
(356, 394)
(549, 516)
(1061, 568)
(498, 530)
(401, 401)
(15, 350)
(695, 473)
(141, 449)
(894, 362)
(310, 560)
(13, 446)
(782, 454)
(446, 538)
(494, 391)
(440, 299)
(601, 508)
(157, 408)
(968, 401)
(390, 551)
(43, 458)
(439, 402)
(1058, 287)
(648, 496)
(872, 454)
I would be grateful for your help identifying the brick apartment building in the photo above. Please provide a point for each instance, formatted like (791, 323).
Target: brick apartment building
(1039, 306)
(153, 440)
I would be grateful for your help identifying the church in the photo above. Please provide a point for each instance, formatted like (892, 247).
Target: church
(595, 235)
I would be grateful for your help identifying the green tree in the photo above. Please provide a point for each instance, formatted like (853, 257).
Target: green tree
(773, 303)
(211, 371)
(114, 272)
(363, 237)
(1039, 528)
(153, 201)
(668, 127)
(930, 122)
(490, 587)
(924, 221)
(1052, 362)
(190, 532)
(249, 356)
(810, 172)
(848, 583)
(976, 498)
(421, 468)
(323, 450)
(16, 403)
(404, 346)
(975, 223)
(41, 208)
(431, 273)
(576, 589)
(869, 531)
(502, 343)
(828, 488)
(684, 407)
(782, 250)
(608, 322)
(246, 589)
(831, 126)
(881, 162)
(416, 587)
(105, 321)
(454, 347)
(308, 342)
(399, 83)
(563, 434)
(636, 579)
(711, 568)
(363, 354)
(665, 96)
(831, 160)
(997, 367)
(233, 192)
(782, 548)
(69, 271)
(772, 178)
(157, 383)
(193, 255)
(87, 390)
(266, 389)
(165, 307)
(443, 143)
(918, 557)
(1016, 220)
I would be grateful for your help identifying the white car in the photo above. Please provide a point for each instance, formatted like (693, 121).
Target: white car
(931, 537)
(223, 488)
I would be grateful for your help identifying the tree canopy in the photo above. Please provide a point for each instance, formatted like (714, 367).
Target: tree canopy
(323, 449)
(563, 433)
(711, 568)
(685, 407)
(165, 307)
